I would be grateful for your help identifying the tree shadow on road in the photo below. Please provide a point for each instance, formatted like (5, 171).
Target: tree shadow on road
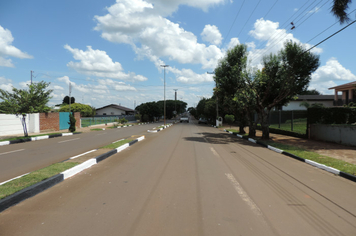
(217, 138)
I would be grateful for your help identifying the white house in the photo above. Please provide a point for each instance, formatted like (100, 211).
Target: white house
(326, 100)
(114, 110)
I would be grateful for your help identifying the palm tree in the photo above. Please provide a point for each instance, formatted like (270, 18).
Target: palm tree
(339, 10)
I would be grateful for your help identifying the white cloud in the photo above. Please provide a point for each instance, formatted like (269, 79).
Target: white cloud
(315, 10)
(98, 63)
(269, 32)
(333, 70)
(56, 87)
(139, 24)
(211, 34)
(330, 75)
(7, 50)
(190, 77)
(233, 42)
(6, 84)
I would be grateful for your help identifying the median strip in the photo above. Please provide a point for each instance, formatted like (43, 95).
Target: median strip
(23, 187)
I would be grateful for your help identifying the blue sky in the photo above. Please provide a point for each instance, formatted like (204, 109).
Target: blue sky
(111, 51)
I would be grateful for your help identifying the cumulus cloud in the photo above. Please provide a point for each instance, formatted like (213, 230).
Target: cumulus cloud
(7, 50)
(269, 32)
(6, 84)
(330, 75)
(139, 24)
(333, 70)
(211, 34)
(98, 63)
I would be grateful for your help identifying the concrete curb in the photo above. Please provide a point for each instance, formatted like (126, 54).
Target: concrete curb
(155, 131)
(31, 191)
(313, 163)
(3, 143)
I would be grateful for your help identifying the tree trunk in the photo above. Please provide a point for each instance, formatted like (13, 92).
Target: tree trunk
(242, 128)
(265, 124)
(23, 121)
(252, 126)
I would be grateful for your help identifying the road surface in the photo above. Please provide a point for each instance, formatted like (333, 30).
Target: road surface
(19, 159)
(191, 180)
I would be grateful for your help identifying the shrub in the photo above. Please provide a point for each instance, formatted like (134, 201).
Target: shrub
(72, 122)
(123, 121)
(229, 119)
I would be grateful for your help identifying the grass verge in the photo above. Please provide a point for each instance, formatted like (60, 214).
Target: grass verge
(30, 136)
(96, 129)
(33, 178)
(117, 144)
(313, 156)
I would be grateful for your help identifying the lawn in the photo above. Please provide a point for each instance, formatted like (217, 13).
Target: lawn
(299, 126)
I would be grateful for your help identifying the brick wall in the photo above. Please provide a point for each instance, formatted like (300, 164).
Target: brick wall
(50, 121)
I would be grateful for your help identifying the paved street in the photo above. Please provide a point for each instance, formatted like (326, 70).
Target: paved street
(191, 180)
(19, 159)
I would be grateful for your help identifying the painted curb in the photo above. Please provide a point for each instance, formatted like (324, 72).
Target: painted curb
(313, 163)
(155, 131)
(3, 143)
(31, 191)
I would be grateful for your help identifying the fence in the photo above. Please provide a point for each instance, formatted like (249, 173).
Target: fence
(295, 120)
(89, 121)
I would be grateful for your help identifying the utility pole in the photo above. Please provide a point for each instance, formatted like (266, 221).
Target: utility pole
(31, 76)
(175, 103)
(164, 66)
(70, 91)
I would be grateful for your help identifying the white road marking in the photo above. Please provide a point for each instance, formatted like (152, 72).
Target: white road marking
(118, 140)
(11, 152)
(68, 140)
(214, 152)
(244, 195)
(83, 154)
(13, 179)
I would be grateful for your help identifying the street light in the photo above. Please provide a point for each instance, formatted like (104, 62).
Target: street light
(164, 66)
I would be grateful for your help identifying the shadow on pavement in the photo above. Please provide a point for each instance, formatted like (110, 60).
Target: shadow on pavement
(218, 138)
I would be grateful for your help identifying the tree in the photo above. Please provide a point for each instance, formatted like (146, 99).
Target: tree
(228, 80)
(229, 119)
(25, 101)
(283, 77)
(339, 10)
(171, 105)
(66, 100)
(149, 111)
(85, 110)
(310, 92)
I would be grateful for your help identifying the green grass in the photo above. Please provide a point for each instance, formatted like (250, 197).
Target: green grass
(117, 144)
(33, 178)
(299, 126)
(97, 129)
(313, 156)
(30, 136)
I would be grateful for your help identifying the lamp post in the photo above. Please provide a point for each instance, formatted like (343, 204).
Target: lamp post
(164, 66)
(175, 104)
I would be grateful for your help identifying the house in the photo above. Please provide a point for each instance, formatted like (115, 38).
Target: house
(348, 94)
(326, 100)
(114, 110)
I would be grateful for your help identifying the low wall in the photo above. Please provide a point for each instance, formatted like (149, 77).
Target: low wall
(11, 124)
(50, 121)
(342, 134)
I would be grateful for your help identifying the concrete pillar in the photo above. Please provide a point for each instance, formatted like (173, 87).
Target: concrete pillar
(336, 96)
(350, 94)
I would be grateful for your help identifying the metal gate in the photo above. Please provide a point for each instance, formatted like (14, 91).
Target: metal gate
(63, 120)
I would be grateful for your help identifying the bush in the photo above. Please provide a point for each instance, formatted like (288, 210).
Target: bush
(229, 119)
(332, 115)
(71, 123)
(138, 117)
(123, 121)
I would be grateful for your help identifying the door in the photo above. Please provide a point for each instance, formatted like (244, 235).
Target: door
(63, 120)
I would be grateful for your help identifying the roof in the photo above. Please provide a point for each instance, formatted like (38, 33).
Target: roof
(316, 97)
(345, 86)
(117, 107)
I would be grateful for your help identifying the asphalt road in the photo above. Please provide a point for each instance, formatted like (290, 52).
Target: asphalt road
(19, 159)
(191, 180)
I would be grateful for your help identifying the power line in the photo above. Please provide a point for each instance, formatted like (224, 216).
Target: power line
(233, 22)
(249, 17)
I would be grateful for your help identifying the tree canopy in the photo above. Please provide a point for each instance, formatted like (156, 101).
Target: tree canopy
(66, 100)
(339, 9)
(22, 101)
(85, 110)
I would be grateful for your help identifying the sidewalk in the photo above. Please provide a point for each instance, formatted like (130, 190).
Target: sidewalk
(337, 151)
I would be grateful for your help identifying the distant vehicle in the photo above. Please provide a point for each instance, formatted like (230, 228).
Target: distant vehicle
(184, 119)
(202, 121)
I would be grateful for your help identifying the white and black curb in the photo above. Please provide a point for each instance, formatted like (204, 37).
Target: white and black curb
(313, 163)
(155, 131)
(45, 184)
(3, 143)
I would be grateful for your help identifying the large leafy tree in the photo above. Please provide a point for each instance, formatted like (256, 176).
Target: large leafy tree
(149, 110)
(228, 75)
(171, 105)
(66, 100)
(283, 77)
(25, 101)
